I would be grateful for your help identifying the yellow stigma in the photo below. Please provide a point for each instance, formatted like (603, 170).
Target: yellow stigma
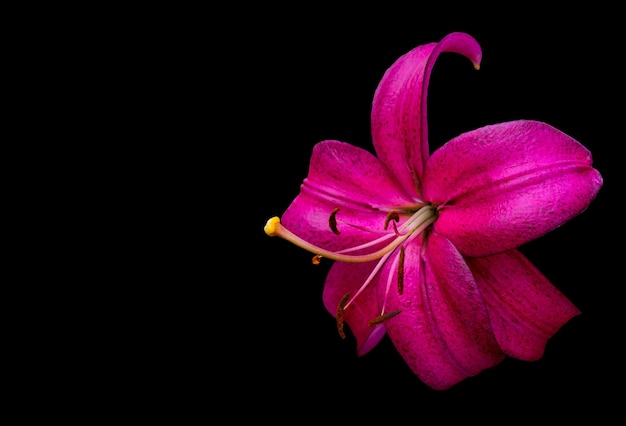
(271, 226)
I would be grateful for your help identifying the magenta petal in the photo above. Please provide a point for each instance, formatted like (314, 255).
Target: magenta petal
(443, 331)
(503, 185)
(399, 128)
(348, 278)
(524, 307)
(353, 175)
(351, 179)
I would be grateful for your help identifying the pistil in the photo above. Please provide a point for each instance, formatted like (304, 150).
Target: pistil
(420, 220)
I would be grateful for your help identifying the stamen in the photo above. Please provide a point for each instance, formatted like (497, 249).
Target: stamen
(390, 276)
(401, 271)
(317, 259)
(382, 318)
(340, 310)
(332, 221)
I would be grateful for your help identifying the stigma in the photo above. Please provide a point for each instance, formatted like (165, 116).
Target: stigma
(417, 223)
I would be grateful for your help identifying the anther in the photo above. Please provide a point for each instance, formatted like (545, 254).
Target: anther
(382, 318)
(339, 315)
(317, 259)
(332, 221)
(391, 216)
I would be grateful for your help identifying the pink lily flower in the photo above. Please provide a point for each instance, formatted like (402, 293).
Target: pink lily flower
(426, 244)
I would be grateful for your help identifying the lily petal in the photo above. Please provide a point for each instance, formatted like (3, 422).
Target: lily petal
(443, 332)
(504, 185)
(343, 279)
(399, 127)
(349, 178)
(524, 307)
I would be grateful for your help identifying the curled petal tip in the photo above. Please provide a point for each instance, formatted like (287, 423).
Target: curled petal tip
(465, 44)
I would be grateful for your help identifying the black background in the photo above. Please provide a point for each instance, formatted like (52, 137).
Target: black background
(251, 329)
(195, 125)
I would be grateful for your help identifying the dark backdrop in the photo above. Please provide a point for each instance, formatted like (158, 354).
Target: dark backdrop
(199, 123)
(267, 85)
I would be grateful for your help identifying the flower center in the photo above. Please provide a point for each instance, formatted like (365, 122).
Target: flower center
(391, 240)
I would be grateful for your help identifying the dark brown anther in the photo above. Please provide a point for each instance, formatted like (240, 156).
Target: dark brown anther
(317, 259)
(339, 315)
(392, 216)
(401, 271)
(332, 221)
(382, 318)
